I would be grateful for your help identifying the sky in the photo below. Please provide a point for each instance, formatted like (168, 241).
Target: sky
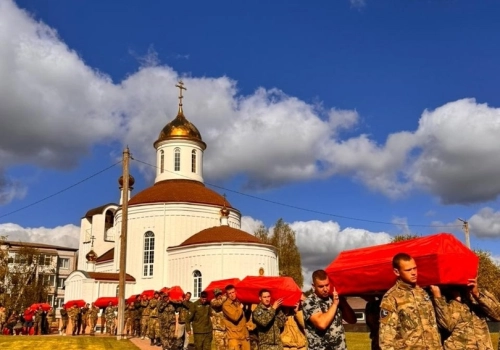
(354, 121)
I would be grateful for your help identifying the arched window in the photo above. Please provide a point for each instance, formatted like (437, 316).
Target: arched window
(177, 159)
(197, 283)
(162, 161)
(193, 161)
(149, 254)
(108, 220)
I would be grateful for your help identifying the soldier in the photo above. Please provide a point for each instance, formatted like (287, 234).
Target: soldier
(144, 316)
(85, 317)
(465, 316)
(199, 318)
(235, 321)
(38, 321)
(109, 313)
(93, 316)
(218, 322)
(137, 316)
(407, 318)
(269, 320)
(253, 337)
(154, 324)
(64, 320)
(73, 315)
(372, 314)
(323, 314)
(293, 335)
(129, 316)
(168, 324)
(182, 331)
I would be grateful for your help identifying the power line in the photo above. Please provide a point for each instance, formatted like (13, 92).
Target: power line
(306, 209)
(60, 191)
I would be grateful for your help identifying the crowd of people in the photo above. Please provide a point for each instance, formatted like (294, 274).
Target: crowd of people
(30, 322)
(405, 317)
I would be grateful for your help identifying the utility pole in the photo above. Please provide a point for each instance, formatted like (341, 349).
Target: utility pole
(123, 246)
(465, 227)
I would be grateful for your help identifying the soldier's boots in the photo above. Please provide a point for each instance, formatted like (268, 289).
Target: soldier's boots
(158, 342)
(152, 342)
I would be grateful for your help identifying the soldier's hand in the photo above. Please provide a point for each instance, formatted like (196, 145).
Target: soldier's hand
(436, 292)
(277, 303)
(336, 299)
(473, 287)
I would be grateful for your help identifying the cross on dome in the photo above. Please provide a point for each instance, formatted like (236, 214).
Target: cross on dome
(181, 87)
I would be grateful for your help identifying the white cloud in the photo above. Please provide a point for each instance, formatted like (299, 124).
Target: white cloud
(320, 242)
(485, 223)
(58, 108)
(63, 236)
(249, 224)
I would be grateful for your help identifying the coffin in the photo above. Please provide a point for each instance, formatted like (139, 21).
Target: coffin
(103, 302)
(441, 259)
(280, 287)
(220, 284)
(79, 303)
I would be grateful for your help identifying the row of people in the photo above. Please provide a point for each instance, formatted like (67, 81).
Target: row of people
(29, 322)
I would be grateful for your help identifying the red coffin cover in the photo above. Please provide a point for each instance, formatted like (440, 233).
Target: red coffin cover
(131, 298)
(104, 301)
(176, 293)
(440, 258)
(148, 293)
(79, 303)
(281, 287)
(220, 284)
(45, 306)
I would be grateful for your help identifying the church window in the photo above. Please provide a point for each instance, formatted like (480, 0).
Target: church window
(177, 159)
(197, 284)
(149, 254)
(162, 161)
(108, 220)
(193, 161)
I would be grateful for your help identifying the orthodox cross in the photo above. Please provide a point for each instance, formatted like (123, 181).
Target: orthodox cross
(181, 87)
(92, 240)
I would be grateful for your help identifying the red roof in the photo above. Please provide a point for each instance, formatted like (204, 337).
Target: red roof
(186, 191)
(220, 234)
(107, 256)
(109, 276)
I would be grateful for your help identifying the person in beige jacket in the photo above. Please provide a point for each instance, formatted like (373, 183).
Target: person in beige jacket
(293, 335)
(236, 323)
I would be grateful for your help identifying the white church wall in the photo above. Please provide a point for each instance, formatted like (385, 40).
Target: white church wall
(218, 261)
(185, 172)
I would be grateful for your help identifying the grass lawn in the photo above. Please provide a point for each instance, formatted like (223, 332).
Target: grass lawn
(66, 343)
(361, 341)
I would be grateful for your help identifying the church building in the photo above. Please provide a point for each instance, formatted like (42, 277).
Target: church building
(180, 233)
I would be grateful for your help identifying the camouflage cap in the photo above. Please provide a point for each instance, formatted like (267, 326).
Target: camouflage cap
(217, 291)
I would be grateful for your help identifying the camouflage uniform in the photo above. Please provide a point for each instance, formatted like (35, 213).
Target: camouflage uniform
(144, 317)
(331, 338)
(85, 318)
(269, 323)
(182, 338)
(253, 337)
(73, 315)
(128, 316)
(64, 320)
(38, 322)
(109, 313)
(466, 321)
(218, 324)
(407, 319)
(137, 318)
(167, 324)
(93, 315)
(154, 324)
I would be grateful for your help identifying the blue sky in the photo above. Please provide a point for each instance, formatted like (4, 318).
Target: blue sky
(379, 110)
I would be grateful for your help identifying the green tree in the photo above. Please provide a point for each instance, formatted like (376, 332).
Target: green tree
(22, 280)
(283, 238)
(405, 237)
(489, 273)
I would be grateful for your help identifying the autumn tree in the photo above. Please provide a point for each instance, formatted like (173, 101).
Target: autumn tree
(283, 238)
(405, 237)
(24, 280)
(489, 273)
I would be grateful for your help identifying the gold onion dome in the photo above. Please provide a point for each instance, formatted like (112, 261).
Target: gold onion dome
(91, 256)
(131, 181)
(180, 127)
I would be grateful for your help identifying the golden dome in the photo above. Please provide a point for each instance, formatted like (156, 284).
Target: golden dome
(180, 127)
